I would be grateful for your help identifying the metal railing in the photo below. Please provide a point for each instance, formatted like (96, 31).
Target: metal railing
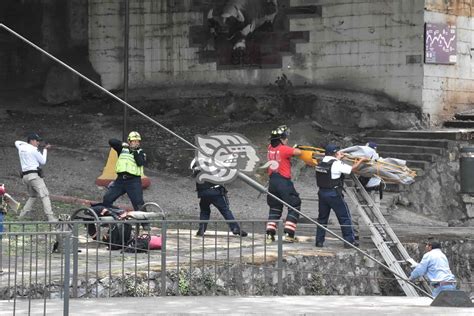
(31, 272)
(218, 263)
(186, 264)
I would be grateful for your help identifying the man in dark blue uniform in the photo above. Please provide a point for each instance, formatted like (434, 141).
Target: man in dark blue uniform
(330, 180)
(213, 194)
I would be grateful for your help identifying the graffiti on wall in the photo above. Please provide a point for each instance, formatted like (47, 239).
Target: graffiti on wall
(440, 44)
(248, 33)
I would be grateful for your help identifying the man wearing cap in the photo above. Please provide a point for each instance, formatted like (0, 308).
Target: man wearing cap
(31, 160)
(129, 169)
(435, 266)
(330, 180)
(280, 184)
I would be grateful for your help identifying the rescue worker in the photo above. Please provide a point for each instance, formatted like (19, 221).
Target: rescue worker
(330, 180)
(213, 194)
(280, 184)
(435, 266)
(31, 160)
(129, 169)
(372, 185)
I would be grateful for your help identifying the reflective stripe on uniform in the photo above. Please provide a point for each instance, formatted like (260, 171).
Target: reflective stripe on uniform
(290, 226)
(271, 226)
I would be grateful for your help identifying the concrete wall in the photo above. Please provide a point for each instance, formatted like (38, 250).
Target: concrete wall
(367, 45)
(363, 44)
(58, 26)
(448, 89)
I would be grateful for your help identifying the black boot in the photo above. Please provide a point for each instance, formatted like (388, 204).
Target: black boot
(240, 232)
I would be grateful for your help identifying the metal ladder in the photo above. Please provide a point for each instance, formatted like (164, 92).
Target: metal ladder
(382, 234)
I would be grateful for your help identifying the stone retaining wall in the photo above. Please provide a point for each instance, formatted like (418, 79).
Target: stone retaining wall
(343, 273)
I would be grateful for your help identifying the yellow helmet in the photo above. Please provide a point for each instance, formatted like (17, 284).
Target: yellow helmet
(134, 136)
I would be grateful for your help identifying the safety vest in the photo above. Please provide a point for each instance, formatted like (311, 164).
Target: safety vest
(323, 176)
(126, 163)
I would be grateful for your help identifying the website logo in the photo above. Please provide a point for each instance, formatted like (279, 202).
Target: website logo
(222, 156)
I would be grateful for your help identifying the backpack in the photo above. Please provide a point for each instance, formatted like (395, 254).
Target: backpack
(118, 235)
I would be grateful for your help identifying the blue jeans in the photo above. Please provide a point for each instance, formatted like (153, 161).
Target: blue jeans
(332, 199)
(132, 186)
(447, 287)
(219, 199)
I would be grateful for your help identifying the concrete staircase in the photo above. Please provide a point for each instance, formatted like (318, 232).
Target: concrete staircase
(462, 120)
(419, 148)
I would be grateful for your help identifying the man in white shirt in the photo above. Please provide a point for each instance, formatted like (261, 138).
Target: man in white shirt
(330, 180)
(435, 266)
(31, 160)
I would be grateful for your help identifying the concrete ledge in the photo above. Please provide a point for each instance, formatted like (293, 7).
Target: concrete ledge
(237, 305)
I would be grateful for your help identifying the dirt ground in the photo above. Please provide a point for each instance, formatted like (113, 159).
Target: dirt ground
(79, 131)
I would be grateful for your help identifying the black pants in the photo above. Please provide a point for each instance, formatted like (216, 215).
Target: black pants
(132, 186)
(283, 189)
(218, 198)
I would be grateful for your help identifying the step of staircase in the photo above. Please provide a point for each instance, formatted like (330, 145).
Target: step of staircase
(425, 134)
(418, 164)
(409, 149)
(409, 156)
(439, 143)
(465, 116)
(459, 123)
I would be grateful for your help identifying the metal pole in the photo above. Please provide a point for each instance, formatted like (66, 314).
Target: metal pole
(163, 258)
(125, 67)
(75, 262)
(242, 176)
(280, 258)
(67, 260)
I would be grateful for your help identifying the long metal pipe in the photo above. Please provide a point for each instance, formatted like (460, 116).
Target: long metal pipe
(241, 175)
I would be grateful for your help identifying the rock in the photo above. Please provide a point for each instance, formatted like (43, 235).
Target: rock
(454, 223)
(403, 201)
(60, 86)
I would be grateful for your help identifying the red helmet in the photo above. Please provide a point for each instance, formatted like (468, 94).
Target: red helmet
(2, 189)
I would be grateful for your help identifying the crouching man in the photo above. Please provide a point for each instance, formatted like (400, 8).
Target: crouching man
(435, 266)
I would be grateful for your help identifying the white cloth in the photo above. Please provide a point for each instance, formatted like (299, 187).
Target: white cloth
(373, 182)
(366, 152)
(338, 167)
(30, 157)
(362, 151)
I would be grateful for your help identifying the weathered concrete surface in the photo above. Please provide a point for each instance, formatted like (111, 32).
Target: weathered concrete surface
(448, 89)
(307, 305)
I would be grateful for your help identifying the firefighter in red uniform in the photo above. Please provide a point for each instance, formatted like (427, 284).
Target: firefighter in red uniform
(280, 184)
